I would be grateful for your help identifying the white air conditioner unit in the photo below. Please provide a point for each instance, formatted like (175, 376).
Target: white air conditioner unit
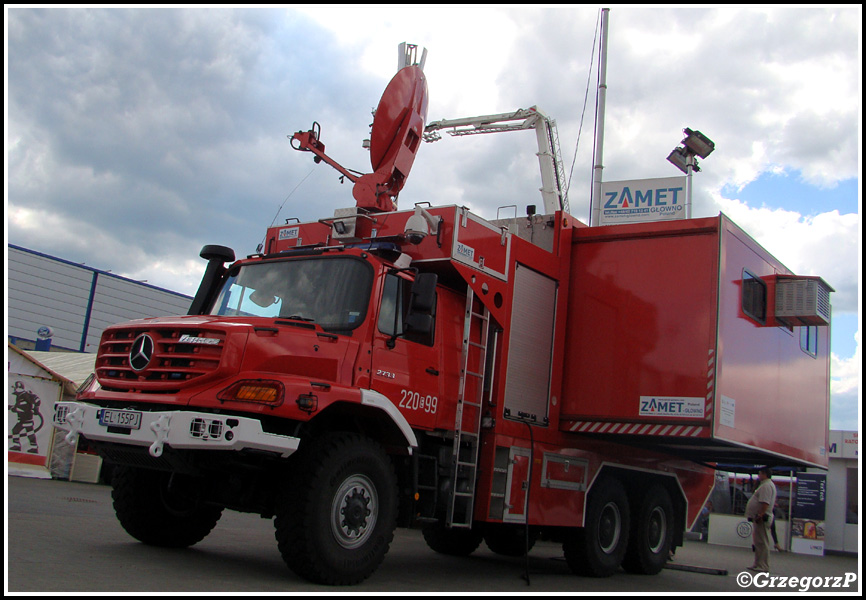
(803, 300)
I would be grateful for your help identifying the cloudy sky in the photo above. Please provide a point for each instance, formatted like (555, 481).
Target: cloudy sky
(136, 136)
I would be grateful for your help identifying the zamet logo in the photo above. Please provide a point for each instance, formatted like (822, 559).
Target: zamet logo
(289, 234)
(465, 251)
(668, 406)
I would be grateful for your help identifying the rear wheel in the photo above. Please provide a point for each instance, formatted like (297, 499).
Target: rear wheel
(651, 533)
(454, 541)
(598, 548)
(336, 518)
(160, 508)
(509, 540)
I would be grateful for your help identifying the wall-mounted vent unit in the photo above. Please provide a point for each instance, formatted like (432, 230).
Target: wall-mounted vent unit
(803, 300)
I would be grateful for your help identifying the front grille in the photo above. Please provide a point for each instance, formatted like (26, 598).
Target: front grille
(173, 365)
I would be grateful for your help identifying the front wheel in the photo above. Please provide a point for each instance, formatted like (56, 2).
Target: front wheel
(598, 548)
(336, 517)
(160, 508)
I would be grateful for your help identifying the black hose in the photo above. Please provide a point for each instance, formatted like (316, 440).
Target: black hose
(526, 511)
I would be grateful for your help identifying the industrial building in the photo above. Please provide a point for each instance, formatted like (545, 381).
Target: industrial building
(58, 305)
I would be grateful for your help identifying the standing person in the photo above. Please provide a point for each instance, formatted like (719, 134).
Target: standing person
(777, 514)
(759, 512)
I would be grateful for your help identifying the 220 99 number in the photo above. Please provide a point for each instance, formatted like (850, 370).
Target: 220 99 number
(415, 401)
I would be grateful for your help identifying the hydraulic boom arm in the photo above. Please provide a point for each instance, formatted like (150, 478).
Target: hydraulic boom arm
(553, 189)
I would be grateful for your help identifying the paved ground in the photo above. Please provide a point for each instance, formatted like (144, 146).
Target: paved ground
(63, 537)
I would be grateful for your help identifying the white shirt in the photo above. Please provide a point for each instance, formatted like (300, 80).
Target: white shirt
(765, 494)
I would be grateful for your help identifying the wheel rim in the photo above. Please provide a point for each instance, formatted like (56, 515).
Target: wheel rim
(354, 511)
(658, 528)
(609, 528)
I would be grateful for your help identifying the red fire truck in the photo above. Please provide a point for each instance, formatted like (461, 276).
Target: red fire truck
(489, 381)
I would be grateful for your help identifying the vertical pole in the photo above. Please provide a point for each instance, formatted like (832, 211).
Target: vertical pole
(689, 170)
(401, 55)
(599, 125)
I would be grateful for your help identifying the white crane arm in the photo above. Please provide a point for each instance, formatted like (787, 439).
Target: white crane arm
(553, 191)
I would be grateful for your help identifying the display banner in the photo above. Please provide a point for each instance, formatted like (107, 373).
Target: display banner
(808, 514)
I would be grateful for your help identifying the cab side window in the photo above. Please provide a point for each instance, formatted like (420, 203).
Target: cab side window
(396, 298)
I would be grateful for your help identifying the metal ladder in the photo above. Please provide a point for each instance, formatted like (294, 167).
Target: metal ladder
(467, 427)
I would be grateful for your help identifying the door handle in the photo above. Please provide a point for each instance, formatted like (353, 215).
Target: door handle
(432, 371)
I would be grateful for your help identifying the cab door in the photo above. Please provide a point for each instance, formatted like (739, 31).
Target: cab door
(406, 365)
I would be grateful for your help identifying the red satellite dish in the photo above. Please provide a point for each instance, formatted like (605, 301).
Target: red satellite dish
(394, 141)
(400, 116)
(395, 138)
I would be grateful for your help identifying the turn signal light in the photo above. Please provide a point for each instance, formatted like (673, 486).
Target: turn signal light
(262, 391)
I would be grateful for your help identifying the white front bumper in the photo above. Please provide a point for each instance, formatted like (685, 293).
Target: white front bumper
(179, 429)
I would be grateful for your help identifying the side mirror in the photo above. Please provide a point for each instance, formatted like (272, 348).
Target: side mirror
(420, 319)
(424, 293)
(420, 324)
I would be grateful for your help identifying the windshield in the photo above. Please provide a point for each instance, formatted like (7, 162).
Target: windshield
(331, 292)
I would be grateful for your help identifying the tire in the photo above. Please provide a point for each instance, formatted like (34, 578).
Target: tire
(336, 517)
(157, 514)
(509, 540)
(651, 533)
(597, 549)
(453, 542)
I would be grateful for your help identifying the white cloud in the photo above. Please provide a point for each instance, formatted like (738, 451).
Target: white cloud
(181, 276)
(846, 372)
(845, 385)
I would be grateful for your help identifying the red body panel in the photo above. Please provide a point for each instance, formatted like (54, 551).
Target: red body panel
(672, 358)
(645, 305)
(775, 394)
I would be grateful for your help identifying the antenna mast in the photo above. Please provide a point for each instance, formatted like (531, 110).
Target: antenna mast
(595, 203)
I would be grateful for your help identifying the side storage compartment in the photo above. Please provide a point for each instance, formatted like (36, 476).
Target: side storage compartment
(641, 330)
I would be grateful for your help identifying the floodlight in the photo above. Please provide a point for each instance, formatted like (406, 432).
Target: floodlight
(679, 158)
(698, 143)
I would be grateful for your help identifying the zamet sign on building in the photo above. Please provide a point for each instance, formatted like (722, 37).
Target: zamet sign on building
(643, 200)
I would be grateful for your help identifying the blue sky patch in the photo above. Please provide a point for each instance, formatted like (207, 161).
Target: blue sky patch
(790, 192)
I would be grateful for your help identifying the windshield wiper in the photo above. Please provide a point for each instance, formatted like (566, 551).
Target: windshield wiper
(299, 318)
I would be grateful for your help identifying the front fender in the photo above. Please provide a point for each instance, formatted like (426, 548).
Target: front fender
(381, 402)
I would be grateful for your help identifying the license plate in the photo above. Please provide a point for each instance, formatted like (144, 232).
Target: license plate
(127, 419)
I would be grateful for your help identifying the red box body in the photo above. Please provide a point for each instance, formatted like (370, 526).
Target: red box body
(660, 349)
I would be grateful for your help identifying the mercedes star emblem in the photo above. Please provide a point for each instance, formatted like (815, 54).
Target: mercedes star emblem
(141, 352)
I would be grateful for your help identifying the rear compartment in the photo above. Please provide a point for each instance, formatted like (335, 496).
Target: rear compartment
(685, 350)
